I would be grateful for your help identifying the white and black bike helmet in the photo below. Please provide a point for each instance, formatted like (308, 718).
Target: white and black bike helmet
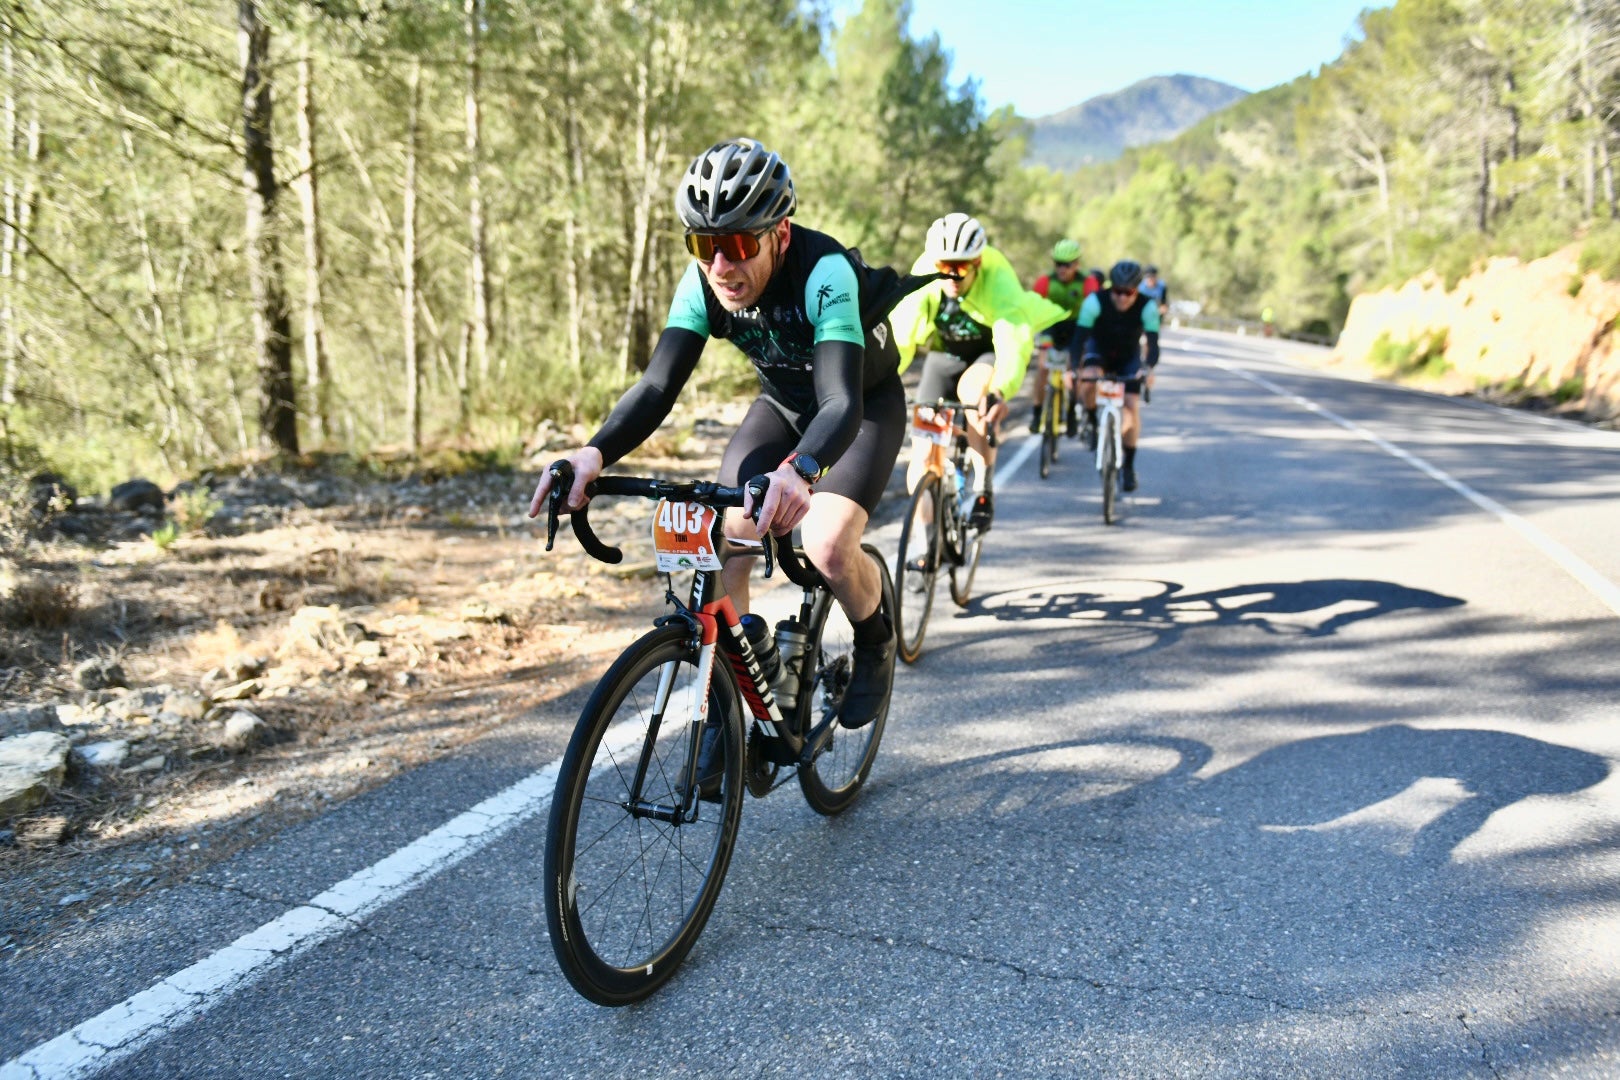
(735, 186)
(954, 238)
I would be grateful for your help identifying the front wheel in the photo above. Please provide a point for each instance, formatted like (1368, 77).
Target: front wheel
(1108, 465)
(831, 782)
(917, 567)
(633, 866)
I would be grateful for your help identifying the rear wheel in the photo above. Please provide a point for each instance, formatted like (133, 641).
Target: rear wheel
(1049, 438)
(628, 891)
(831, 782)
(969, 541)
(917, 567)
(1108, 441)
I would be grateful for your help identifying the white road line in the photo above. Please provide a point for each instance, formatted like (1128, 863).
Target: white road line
(1577, 568)
(114, 1034)
(1009, 469)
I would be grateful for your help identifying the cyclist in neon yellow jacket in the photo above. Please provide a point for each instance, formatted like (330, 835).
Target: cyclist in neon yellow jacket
(978, 327)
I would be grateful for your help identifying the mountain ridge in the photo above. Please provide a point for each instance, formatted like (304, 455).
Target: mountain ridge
(1147, 111)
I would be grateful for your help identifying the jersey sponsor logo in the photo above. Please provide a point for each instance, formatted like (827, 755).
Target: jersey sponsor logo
(824, 298)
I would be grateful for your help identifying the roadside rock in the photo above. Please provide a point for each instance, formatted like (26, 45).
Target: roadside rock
(30, 766)
(240, 691)
(243, 731)
(80, 715)
(244, 666)
(98, 673)
(24, 718)
(104, 755)
(483, 611)
(136, 496)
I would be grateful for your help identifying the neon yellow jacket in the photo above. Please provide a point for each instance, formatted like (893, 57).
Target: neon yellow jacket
(998, 300)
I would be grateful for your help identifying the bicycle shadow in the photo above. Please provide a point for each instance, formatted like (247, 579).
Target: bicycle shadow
(1312, 609)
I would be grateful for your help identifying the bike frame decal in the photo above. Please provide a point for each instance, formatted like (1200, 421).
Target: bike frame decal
(756, 691)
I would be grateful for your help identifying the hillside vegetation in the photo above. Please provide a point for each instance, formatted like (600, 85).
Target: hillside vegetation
(271, 228)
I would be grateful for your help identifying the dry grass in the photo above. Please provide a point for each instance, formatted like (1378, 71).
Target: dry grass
(41, 603)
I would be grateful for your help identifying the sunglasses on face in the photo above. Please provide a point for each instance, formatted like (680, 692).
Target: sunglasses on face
(955, 268)
(1125, 293)
(736, 247)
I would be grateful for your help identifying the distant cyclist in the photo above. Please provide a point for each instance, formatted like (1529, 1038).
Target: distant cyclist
(1154, 288)
(979, 325)
(831, 414)
(1111, 331)
(1065, 287)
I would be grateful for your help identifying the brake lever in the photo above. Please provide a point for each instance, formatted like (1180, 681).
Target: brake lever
(757, 488)
(562, 482)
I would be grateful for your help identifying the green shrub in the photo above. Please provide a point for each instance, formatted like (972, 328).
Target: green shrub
(1574, 286)
(1601, 252)
(1423, 358)
(164, 536)
(194, 509)
(1569, 390)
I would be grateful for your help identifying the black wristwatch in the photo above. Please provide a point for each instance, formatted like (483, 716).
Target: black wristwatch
(807, 467)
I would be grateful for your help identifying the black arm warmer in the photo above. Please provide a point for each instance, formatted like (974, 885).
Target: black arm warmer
(644, 405)
(838, 368)
(1153, 348)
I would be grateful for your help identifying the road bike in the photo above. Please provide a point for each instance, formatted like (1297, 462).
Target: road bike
(1055, 410)
(937, 531)
(1110, 447)
(638, 843)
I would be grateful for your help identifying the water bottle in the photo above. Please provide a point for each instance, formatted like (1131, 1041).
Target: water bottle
(759, 636)
(792, 645)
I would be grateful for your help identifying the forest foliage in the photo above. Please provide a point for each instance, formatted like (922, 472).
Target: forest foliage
(233, 229)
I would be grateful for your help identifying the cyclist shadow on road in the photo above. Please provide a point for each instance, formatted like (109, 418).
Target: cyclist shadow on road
(1318, 608)
(1428, 789)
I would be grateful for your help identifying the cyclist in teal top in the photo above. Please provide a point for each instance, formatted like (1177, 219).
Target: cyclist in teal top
(1111, 333)
(828, 424)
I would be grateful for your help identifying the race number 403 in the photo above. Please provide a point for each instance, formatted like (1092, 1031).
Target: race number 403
(683, 536)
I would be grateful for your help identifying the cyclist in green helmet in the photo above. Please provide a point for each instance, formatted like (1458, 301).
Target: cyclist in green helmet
(1065, 287)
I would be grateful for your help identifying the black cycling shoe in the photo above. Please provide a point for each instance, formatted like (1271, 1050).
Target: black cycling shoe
(1073, 422)
(1127, 478)
(983, 512)
(711, 763)
(1090, 435)
(869, 683)
(917, 571)
(1035, 420)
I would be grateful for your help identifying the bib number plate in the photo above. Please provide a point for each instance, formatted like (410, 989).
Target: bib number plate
(683, 536)
(1111, 390)
(933, 425)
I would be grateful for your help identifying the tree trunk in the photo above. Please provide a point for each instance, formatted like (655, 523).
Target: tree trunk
(407, 265)
(278, 408)
(317, 375)
(1483, 216)
(475, 197)
(10, 240)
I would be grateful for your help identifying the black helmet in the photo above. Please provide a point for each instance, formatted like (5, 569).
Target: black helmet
(1097, 272)
(735, 186)
(1125, 274)
(1152, 270)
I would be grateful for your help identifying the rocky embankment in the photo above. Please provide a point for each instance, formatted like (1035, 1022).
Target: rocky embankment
(1513, 330)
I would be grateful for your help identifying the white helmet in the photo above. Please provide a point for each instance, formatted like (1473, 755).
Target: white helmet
(955, 237)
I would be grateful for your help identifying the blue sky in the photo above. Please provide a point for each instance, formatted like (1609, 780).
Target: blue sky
(1044, 55)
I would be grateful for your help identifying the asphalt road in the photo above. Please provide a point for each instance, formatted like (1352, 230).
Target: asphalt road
(1304, 769)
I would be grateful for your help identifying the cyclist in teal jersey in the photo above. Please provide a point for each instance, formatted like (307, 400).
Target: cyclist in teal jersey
(1112, 326)
(1065, 287)
(828, 424)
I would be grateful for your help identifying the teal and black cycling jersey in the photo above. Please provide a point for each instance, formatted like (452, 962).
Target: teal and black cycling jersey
(803, 337)
(1113, 335)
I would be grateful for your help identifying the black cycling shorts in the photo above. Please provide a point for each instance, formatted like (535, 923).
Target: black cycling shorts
(1130, 373)
(769, 433)
(941, 371)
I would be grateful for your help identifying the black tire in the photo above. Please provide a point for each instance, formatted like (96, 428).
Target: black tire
(831, 782)
(914, 589)
(969, 541)
(627, 896)
(1049, 438)
(1109, 467)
